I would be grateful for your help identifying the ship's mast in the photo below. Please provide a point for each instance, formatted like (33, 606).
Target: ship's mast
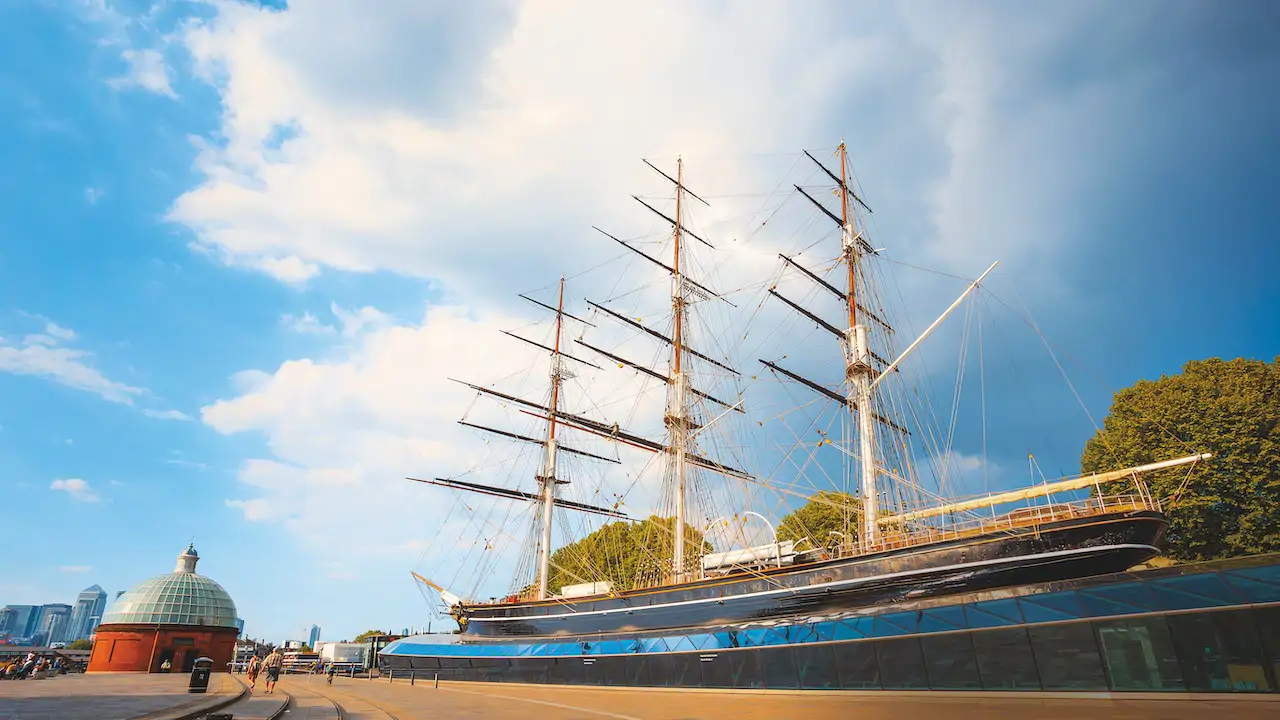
(858, 370)
(548, 477)
(677, 407)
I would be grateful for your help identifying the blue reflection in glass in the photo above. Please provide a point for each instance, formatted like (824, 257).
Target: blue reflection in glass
(941, 619)
(1122, 599)
(1253, 588)
(1051, 607)
(1194, 591)
(993, 613)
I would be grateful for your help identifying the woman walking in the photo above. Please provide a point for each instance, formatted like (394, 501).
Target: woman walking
(254, 667)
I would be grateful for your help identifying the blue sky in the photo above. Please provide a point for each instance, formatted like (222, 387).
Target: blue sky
(241, 248)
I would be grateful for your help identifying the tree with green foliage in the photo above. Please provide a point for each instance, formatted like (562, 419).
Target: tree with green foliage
(1230, 506)
(81, 644)
(627, 554)
(826, 512)
(368, 634)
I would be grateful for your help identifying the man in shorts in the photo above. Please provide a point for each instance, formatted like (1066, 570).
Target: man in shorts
(272, 666)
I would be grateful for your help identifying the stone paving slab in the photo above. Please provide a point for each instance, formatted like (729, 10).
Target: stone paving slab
(108, 696)
(521, 702)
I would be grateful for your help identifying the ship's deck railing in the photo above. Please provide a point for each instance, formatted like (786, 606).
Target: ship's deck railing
(1021, 518)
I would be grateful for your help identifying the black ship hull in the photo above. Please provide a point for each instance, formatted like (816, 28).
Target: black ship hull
(1060, 550)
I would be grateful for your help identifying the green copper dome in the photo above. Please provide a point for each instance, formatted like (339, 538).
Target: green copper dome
(179, 598)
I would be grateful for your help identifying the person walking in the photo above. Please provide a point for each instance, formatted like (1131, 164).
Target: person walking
(255, 664)
(272, 665)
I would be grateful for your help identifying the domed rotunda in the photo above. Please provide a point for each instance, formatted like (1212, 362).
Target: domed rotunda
(176, 617)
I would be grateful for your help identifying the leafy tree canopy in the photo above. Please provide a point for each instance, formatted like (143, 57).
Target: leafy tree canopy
(368, 634)
(81, 644)
(1231, 505)
(627, 554)
(826, 512)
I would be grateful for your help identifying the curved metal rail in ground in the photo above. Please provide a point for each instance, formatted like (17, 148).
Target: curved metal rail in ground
(352, 703)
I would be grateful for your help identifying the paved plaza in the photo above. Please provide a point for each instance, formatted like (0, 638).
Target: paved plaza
(164, 697)
(109, 696)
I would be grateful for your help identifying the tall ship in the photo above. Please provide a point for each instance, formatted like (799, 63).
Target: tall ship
(886, 528)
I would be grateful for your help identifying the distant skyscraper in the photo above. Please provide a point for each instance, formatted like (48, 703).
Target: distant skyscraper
(20, 621)
(53, 622)
(314, 636)
(87, 613)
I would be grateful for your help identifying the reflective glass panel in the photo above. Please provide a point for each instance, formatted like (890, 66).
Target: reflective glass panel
(1267, 620)
(1005, 660)
(901, 664)
(1220, 651)
(857, 665)
(1138, 654)
(716, 672)
(1194, 591)
(685, 670)
(950, 662)
(745, 667)
(1067, 657)
(779, 665)
(816, 665)
(993, 613)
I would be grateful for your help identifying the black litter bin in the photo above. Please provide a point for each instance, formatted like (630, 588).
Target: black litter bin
(200, 672)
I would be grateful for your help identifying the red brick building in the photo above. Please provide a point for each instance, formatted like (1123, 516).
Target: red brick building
(176, 617)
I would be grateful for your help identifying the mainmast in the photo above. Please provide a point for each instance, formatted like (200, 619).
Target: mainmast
(857, 363)
(677, 419)
(548, 476)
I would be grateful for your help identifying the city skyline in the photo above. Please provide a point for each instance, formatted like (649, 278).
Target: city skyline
(238, 267)
(55, 622)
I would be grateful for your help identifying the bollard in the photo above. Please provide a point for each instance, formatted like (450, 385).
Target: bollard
(437, 680)
(412, 676)
(351, 671)
(391, 675)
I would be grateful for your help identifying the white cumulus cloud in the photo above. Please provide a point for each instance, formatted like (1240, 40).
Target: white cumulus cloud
(75, 487)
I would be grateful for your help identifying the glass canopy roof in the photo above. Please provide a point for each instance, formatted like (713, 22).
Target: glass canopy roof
(181, 598)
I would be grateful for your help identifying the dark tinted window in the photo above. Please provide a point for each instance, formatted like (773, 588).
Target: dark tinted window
(857, 666)
(1067, 657)
(1220, 651)
(637, 670)
(901, 665)
(661, 669)
(612, 670)
(685, 671)
(779, 666)
(1005, 660)
(950, 662)
(715, 670)
(817, 667)
(1137, 654)
(745, 667)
